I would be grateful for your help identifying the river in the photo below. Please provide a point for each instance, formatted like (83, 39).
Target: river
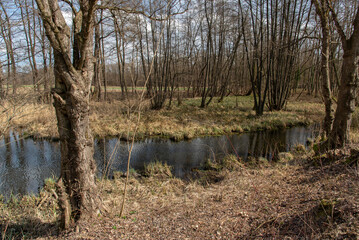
(25, 163)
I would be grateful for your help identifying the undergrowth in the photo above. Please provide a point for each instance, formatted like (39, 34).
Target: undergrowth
(180, 122)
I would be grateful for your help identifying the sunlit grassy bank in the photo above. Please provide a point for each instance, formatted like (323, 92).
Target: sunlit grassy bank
(303, 196)
(119, 118)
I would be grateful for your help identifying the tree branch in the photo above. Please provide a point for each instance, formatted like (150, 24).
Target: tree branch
(71, 5)
(339, 28)
(56, 28)
(318, 8)
(141, 12)
(86, 27)
(356, 25)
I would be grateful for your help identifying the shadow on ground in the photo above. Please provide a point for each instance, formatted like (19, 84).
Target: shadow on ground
(29, 228)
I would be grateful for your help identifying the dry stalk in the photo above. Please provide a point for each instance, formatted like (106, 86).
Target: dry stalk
(108, 164)
(140, 105)
(4, 234)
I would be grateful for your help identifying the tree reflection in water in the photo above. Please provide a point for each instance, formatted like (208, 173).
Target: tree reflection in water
(25, 163)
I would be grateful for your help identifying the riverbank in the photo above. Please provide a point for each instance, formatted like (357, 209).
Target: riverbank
(300, 197)
(120, 118)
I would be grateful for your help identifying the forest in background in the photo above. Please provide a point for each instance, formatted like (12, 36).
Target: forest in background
(212, 49)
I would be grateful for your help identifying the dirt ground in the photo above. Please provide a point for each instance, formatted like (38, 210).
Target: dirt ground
(306, 198)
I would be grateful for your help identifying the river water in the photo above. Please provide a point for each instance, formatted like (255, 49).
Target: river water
(25, 163)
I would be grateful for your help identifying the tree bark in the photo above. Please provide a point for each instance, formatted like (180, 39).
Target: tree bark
(346, 100)
(96, 80)
(77, 189)
(323, 13)
(339, 135)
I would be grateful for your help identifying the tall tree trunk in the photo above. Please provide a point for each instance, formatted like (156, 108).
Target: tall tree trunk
(10, 49)
(323, 13)
(346, 99)
(349, 83)
(103, 62)
(46, 81)
(77, 190)
(96, 80)
(2, 92)
(30, 37)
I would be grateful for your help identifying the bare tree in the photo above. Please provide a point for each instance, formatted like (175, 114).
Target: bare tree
(219, 45)
(286, 26)
(339, 135)
(161, 35)
(255, 50)
(120, 52)
(46, 61)
(29, 23)
(7, 34)
(2, 92)
(77, 187)
(322, 11)
(96, 95)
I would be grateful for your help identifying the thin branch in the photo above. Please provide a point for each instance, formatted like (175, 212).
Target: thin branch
(337, 24)
(71, 5)
(141, 12)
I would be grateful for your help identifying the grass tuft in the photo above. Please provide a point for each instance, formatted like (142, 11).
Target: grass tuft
(158, 169)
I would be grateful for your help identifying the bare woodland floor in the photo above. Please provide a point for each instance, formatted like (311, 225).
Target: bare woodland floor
(307, 198)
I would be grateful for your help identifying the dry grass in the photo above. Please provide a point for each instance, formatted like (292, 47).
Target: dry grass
(23, 112)
(37, 120)
(180, 122)
(300, 200)
(188, 120)
(29, 217)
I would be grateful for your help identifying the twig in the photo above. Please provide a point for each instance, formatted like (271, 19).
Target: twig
(54, 193)
(266, 222)
(3, 236)
(42, 201)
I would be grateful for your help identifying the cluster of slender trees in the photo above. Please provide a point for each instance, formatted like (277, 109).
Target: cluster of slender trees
(215, 48)
(174, 49)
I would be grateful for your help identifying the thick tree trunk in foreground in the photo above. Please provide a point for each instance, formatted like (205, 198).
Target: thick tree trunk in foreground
(77, 188)
(349, 83)
(77, 185)
(346, 100)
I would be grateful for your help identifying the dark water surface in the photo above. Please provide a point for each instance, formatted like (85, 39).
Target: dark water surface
(25, 163)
